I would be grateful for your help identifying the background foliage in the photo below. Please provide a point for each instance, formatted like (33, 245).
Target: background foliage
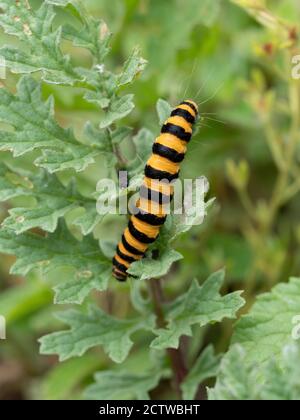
(71, 93)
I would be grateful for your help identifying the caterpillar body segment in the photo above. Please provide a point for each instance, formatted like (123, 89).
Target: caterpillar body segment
(156, 193)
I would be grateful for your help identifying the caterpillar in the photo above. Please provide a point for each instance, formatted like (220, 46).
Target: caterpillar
(157, 189)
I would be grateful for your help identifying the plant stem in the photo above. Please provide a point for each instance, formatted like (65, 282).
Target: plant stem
(157, 296)
(121, 161)
(115, 148)
(175, 355)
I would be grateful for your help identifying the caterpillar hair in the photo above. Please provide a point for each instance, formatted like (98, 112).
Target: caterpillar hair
(157, 189)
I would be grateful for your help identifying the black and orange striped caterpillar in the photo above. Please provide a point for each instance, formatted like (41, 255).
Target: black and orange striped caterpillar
(157, 190)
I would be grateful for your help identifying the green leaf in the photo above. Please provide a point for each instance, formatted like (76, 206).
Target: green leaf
(59, 249)
(163, 109)
(93, 329)
(98, 98)
(103, 86)
(22, 219)
(199, 305)
(93, 35)
(283, 381)
(236, 381)
(133, 67)
(114, 385)
(12, 185)
(178, 224)
(279, 379)
(139, 302)
(107, 198)
(148, 268)
(120, 134)
(260, 363)
(89, 219)
(107, 247)
(207, 366)
(35, 128)
(76, 290)
(76, 157)
(53, 201)
(119, 108)
(269, 325)
(41, 44)
(143, 143)
(103, 140)
(98, 138)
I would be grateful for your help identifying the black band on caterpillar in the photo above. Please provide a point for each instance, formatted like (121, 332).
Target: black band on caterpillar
(160, 175)
(139, 236)
(119, 266)
(184, 114)
(167, 153)
(191, 105)
(151, 219)
(130, 248)
(155, 196)
(176, 131)
(125, 257)
(163, 165)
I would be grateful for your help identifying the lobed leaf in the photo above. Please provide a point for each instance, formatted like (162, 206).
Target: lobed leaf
(163, 109)
(268, 327)
(12, 185)
(59, 249)
(93, 33)
(148, 268)
(96, 328)
(113, 385)
(132, 67)
(53, 201)
(236, 381)
(35, 128)
(277, 380)
(119, 108)
(199, 305)
(41, 50)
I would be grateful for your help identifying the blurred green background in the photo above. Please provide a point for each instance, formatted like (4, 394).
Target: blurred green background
(239, 71)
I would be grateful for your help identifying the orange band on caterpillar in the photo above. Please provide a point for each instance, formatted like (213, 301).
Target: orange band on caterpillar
(168, 140)
(155, 194)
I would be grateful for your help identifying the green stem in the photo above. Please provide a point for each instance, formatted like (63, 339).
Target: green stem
(175, 355)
